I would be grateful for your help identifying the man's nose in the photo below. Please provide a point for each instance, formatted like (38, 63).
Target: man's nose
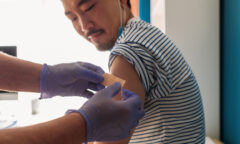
(85, 23)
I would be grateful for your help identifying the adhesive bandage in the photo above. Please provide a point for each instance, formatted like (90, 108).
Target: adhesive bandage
(110, 79)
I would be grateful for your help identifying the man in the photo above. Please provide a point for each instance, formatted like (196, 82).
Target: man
(99, 119)
(152, 66)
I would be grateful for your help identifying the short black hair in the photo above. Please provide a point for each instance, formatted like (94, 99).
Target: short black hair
(128, 3)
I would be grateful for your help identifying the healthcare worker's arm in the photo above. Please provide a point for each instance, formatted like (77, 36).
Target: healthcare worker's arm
(101, 119)
(65, 130)
(69, 79)
(19, 75)
(123, 69)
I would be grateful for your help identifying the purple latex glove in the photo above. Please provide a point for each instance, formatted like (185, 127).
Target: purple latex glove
(110, 120)
(70, 79)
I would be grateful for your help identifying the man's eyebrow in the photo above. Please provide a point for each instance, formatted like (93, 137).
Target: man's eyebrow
(81, 2)
(67, 13)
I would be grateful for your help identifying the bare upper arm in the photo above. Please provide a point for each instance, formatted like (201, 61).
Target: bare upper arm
(123, 69)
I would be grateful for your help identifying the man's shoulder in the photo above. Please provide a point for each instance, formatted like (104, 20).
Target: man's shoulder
(140, 32)
(139, 25)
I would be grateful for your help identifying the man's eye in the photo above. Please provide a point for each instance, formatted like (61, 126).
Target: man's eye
(74, 19)
(88, 9)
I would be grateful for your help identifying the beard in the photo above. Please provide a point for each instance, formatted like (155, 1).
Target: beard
(105, 46)
(101, 46)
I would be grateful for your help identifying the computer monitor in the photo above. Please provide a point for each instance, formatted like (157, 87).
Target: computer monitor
(11, 50)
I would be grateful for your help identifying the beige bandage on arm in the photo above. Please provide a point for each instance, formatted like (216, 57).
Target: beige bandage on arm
(110, 79)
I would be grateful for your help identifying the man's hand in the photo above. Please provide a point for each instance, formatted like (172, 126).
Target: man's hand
(72, 79)
(110, 120)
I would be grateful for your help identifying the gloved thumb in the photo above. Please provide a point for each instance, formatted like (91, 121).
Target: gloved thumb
(126, 94)
(112, 90)
(131, 98)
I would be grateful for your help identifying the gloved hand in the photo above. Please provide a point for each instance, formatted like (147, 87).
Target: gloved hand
(109, 120)
(71, 79)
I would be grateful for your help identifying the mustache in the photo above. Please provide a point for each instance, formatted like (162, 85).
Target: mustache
(92, 31)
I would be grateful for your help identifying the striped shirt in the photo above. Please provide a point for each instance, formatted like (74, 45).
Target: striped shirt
(173, 104)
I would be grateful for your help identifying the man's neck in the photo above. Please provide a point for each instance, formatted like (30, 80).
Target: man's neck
(129, 16)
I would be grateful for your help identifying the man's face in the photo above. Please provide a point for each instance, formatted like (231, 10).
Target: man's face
(96, 20)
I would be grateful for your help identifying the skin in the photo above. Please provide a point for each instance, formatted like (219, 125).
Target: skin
(19, 75)
(103, 17)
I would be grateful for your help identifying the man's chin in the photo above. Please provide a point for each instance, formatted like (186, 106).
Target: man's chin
(105, 46)
(102, 50)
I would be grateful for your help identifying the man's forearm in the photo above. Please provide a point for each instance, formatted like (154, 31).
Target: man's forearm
(19, 75)
(69, 129)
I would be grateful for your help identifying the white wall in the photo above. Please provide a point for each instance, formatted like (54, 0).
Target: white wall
(43, 34)
(158, 14)
(194, 26)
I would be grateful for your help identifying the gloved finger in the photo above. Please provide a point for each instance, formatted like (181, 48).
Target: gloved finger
(126, 94)
(134, 124)
(132, 99)
(136, 118)
(88, 94)
(127, 134)
(93, 68)
(141, 114)
(95, 87)
(112, 90)
(91, 76)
